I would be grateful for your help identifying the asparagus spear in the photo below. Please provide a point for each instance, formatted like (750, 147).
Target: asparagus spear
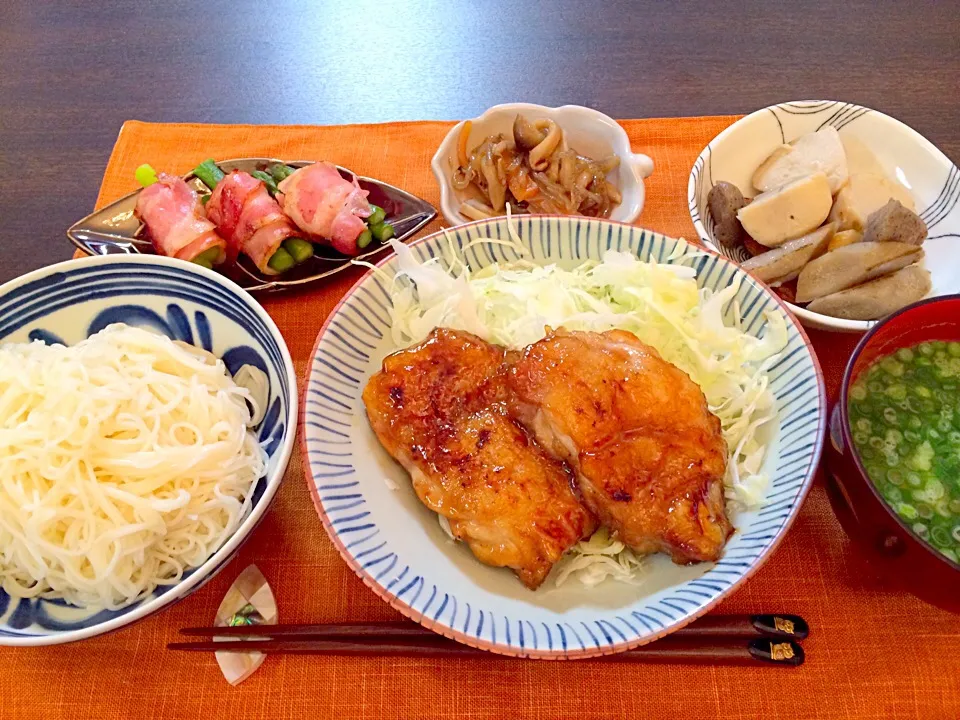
(377, 216)
(364, 239)
(298, 248)
(382, 231)
(267, 180)
(280, 172)
(281, 261)
(208, 173)
(207, 257)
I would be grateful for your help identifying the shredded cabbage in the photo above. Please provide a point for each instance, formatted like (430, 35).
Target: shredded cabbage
(660, 303)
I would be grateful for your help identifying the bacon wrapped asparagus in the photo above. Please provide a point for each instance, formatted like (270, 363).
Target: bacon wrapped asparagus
(327, 207)
(176, 223)
(252, 222)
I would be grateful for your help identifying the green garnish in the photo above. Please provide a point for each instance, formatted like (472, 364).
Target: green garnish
(145, 175)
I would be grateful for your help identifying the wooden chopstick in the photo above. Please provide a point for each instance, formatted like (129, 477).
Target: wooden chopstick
(718, 651)
(715, 639)
(789, 627)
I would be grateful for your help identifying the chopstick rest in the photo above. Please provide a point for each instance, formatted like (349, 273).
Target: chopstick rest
(248, 603)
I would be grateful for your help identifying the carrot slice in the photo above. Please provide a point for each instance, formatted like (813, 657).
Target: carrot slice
(462, 143)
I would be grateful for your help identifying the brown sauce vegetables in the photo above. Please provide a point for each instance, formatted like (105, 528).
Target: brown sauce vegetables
(534, 171)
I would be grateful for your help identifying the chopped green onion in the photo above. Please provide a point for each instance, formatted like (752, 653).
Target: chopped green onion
(364, 239)
(907, 511)
(897, 392)
(940, 536)
(145, 175)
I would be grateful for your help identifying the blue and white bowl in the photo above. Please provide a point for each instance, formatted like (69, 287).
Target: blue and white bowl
(396, 545)
(70, 301)
(894, 150)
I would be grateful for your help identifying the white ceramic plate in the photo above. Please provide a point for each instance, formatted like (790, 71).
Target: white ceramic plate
(588, 131)
(397, 546)
(903, 154)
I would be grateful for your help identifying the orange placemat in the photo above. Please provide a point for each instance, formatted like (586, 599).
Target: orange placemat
(873, 653)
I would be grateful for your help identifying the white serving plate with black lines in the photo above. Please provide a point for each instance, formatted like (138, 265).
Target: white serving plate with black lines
(396, 545)
(903, 153)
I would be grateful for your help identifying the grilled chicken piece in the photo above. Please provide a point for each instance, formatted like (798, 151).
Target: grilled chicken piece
(439, 409)
(648, 453)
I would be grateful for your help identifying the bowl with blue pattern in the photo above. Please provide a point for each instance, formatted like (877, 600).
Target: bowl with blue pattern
(395, 544)
(874, 143)
(70, 301)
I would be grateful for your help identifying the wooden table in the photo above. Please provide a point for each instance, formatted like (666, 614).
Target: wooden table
(71, 73)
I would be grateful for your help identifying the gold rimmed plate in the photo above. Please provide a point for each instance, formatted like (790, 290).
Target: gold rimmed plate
(115, 229)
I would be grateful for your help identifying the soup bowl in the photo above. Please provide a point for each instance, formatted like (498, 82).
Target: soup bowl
(891, 543)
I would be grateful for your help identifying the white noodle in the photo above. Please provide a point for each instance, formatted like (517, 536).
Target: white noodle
(125, 461)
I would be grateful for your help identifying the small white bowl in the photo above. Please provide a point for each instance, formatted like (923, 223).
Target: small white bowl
(588, 131)
(903, 154)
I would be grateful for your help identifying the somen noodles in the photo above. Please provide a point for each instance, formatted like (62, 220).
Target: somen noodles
(125, 460)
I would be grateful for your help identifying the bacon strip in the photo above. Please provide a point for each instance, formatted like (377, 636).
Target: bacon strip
(325, 206)
(249, 218)
(175, 220)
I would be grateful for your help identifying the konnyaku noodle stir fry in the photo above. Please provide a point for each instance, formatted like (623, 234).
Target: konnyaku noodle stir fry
(534, 171)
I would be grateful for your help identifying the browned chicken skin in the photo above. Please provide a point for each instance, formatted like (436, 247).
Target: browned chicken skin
(439, 408)
(648, 453)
